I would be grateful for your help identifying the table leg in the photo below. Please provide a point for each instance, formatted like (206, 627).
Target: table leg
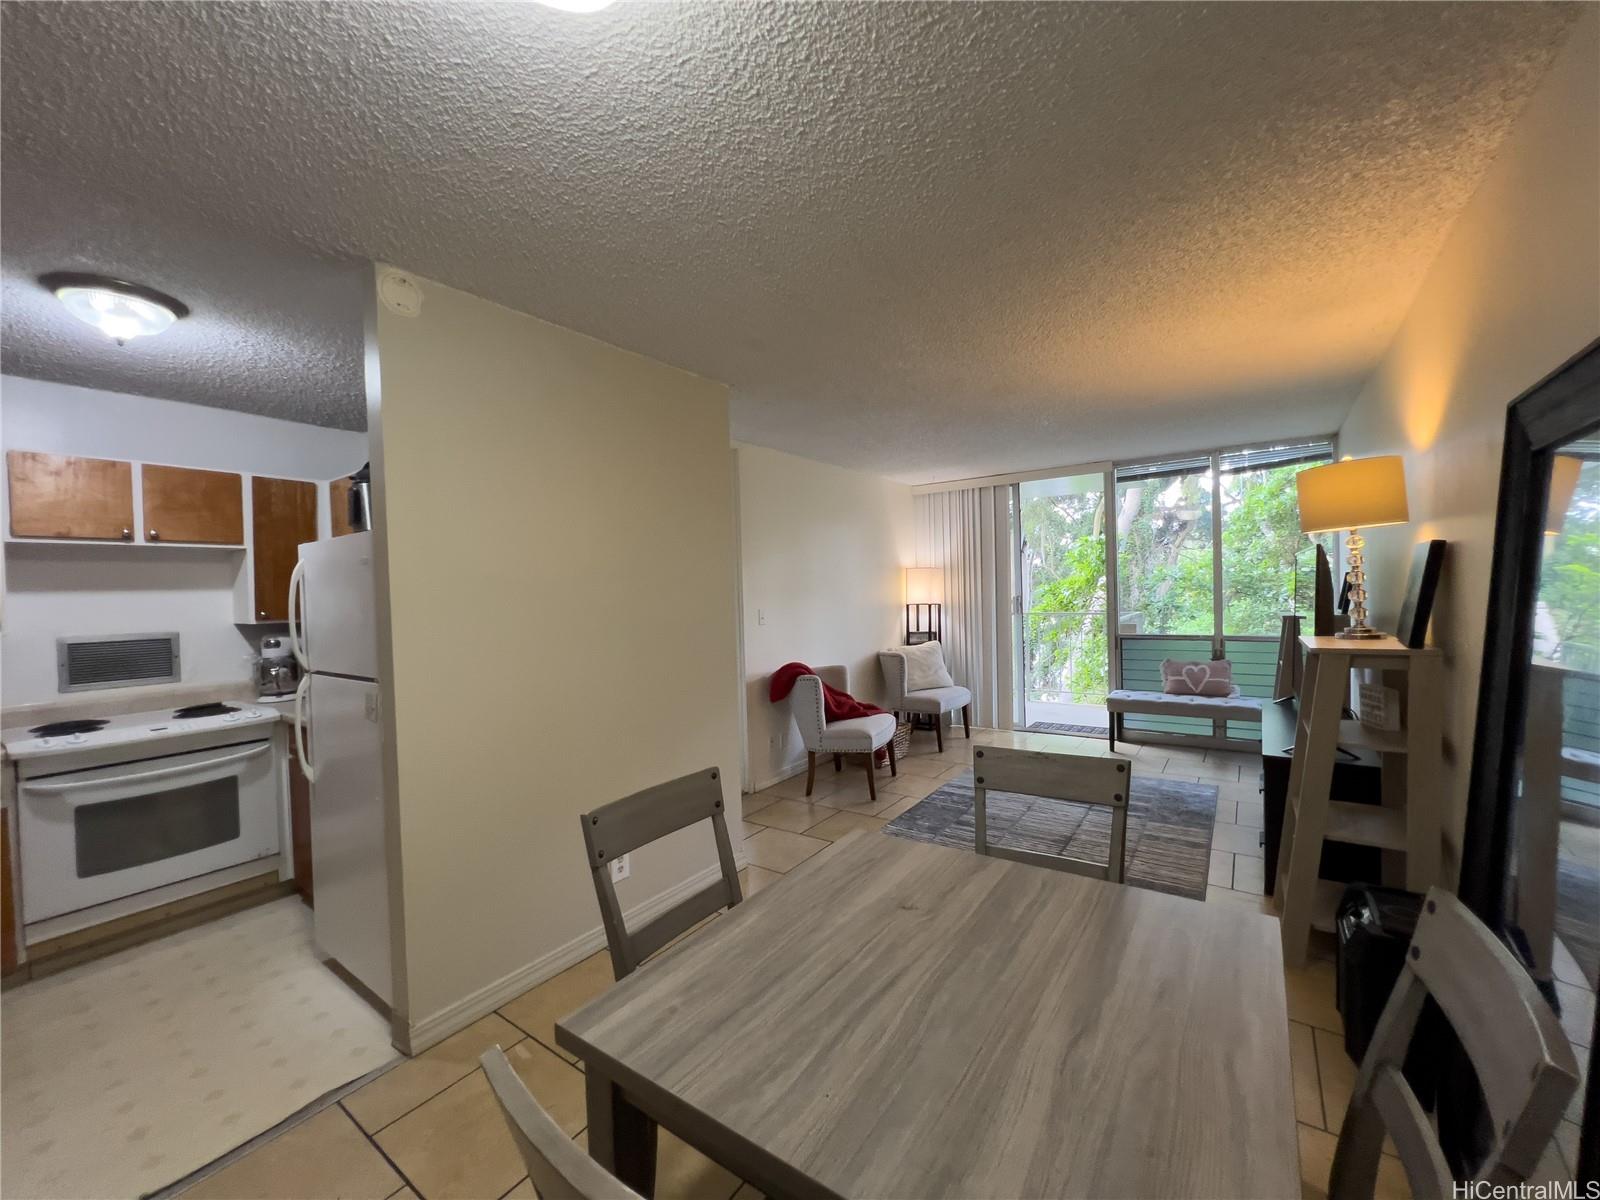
(621, 1138)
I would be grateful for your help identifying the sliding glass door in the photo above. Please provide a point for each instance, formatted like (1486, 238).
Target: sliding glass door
(1060, 613)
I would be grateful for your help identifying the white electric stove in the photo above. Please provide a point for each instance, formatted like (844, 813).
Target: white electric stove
(63, 739)
(123, 806)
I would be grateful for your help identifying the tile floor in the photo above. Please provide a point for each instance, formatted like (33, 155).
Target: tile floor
(429, 1127)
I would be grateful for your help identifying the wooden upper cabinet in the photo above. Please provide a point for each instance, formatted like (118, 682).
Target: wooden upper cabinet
(339, 507)
(283, 516)
(57, 496)
(182, 504)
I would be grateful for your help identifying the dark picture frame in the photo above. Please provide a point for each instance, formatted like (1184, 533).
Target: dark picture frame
(1562, 407)
(1322, 612)
(1416, 610)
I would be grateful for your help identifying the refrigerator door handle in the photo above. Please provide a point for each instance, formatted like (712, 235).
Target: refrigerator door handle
(296, 590)
(307, 768)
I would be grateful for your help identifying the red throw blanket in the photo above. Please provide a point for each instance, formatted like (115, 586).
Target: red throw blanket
(836, 705)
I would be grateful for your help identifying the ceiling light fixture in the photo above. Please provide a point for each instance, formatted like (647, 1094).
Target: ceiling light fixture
(120, 310)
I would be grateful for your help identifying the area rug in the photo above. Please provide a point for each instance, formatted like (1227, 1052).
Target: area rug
(125, 1074)
(1078, 730)
(1168, 838)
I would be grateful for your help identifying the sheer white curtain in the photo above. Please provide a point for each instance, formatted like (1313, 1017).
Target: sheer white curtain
(967, 532)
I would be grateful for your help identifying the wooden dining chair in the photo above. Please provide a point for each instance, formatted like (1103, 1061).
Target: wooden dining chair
(557, 1165)
(1524, 1064)
(622, 826)
(1080, 778)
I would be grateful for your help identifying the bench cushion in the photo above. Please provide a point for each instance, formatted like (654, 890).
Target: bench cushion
(1211, 708)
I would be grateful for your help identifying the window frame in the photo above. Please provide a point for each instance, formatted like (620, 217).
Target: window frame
(1184, 462)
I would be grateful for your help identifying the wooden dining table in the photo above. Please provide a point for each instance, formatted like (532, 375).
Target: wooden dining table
(896, 1019)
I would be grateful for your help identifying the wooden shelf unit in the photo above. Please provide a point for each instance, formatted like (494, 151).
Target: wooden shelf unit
(1406, 826)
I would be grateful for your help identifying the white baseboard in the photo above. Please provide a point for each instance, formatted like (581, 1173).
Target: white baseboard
(787, 771)
(433, 1029)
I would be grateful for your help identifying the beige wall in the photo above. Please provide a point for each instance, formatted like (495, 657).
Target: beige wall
(1514, 293)
(821, 553)
(558, 521)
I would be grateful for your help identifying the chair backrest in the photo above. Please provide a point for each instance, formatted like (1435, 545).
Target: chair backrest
(624, 825)
(893, 664)
(1080, 778)
(805, 702)
(557, 1165)
(1523, 1061)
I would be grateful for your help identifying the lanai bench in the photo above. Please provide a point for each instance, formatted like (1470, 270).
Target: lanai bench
(1158, 704)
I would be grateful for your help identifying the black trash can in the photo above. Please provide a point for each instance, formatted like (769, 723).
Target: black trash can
(1374, 927)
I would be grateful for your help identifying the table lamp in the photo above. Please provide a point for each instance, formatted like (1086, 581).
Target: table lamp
(1354, 494)
(1564, 471)
(924, 603)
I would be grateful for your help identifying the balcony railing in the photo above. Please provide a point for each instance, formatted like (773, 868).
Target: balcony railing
(1255, 667)
(1065, 658)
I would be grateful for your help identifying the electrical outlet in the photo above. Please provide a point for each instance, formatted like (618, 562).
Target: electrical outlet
(619, 869)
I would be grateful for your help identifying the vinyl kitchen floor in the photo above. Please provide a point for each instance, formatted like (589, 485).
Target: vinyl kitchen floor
(126, 1074)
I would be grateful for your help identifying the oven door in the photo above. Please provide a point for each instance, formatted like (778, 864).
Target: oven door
(96, 835)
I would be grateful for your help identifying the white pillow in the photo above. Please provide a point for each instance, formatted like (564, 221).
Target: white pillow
(925, 667)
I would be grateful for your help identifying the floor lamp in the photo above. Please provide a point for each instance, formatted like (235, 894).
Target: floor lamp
(924, 605)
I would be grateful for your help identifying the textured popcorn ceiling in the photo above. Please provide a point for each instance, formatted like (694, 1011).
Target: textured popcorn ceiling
(924, 239)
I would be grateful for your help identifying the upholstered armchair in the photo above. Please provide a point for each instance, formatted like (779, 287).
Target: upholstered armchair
(935, 702)
(859, 735)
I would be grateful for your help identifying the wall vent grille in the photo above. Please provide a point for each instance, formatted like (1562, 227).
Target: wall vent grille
(128, 660)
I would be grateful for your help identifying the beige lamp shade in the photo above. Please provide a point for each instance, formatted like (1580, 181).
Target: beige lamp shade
(924, 585)
(1357, 493)
(1563, 483)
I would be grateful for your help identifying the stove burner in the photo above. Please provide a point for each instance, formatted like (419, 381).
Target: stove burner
(203, 710)
(63, 728)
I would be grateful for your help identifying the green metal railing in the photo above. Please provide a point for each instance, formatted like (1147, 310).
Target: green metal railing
(1580, 729)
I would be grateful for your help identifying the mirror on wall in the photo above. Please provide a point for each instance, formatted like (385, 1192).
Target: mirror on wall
(1553, 888)
(1555, 885)
(1531, 859)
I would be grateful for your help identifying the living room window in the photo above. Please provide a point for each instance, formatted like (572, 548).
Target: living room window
(1209, 558)
(1266, 560)
(1207, 555)
(1165, 548)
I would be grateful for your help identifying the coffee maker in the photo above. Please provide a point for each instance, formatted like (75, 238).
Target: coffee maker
(277, 672)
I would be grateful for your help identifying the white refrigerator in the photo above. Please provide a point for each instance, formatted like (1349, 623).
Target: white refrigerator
(337, 717)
